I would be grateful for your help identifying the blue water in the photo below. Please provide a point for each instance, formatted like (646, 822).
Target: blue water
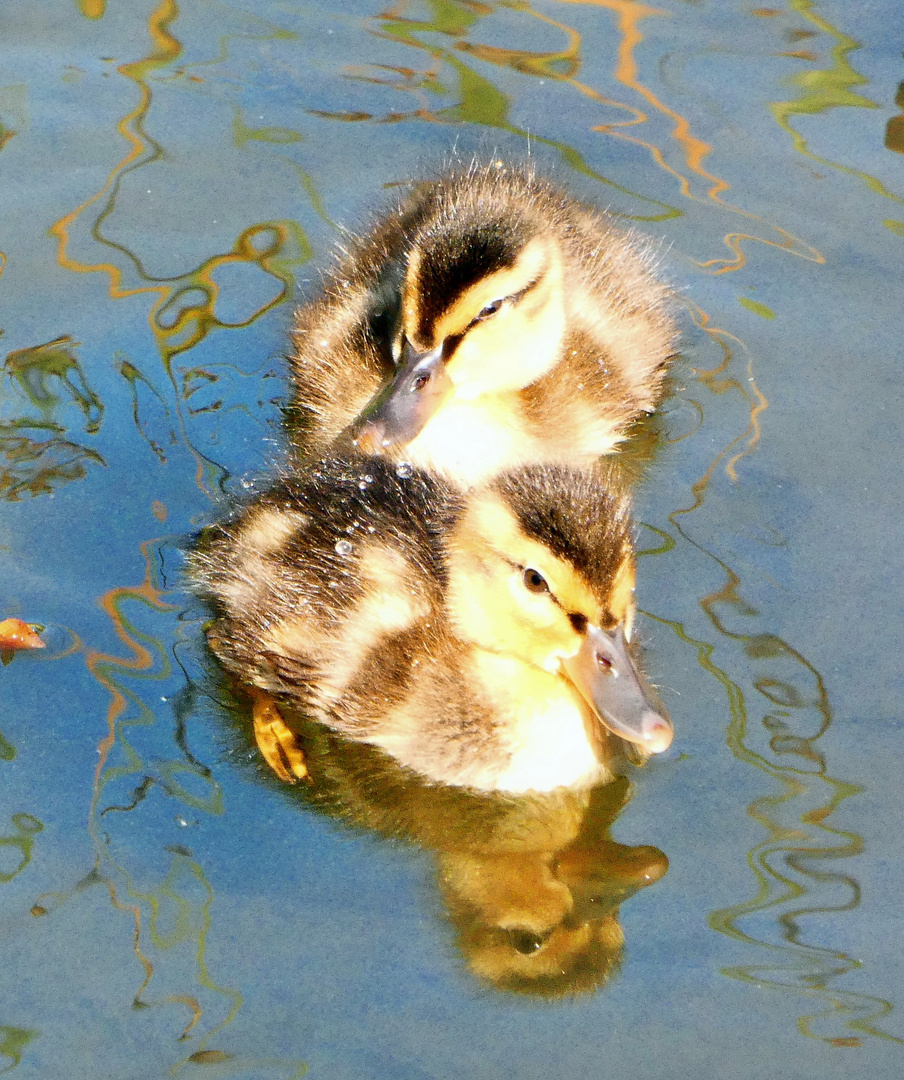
(172, 179)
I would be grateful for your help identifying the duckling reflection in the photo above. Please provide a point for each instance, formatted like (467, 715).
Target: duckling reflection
(482, 641)
(532, 884)
(545, 921)
(489, 321)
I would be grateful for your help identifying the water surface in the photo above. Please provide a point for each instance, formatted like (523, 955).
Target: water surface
(172, 178)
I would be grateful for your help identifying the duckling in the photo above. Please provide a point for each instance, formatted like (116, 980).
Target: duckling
(487, 322)
(481, 640)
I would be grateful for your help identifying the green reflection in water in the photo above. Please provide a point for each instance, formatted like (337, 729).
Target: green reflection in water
(149, 409)
(169, 906)
(756, 307)
(13, 1042)
(479, 100)
(279, 136)
(44, 382)
(172, 915)
(34, 370)
(828, 88)
(19, 845)
(184, 312)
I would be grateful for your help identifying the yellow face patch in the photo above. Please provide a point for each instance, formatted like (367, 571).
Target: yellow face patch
(489, 600)
(537, 265)
(508, 348)
(510, 594)
(621, 599)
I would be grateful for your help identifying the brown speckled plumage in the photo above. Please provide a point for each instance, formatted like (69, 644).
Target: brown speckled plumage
(332, 593)
(460, 227)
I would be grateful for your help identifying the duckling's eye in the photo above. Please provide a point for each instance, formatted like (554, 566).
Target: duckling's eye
(489, 310)
(534, 581)
(526, 942)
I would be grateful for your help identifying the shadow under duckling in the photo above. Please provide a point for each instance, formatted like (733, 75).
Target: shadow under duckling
(482, 641)
(490, 321)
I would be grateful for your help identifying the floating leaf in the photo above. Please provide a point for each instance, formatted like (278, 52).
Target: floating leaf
(16, 634)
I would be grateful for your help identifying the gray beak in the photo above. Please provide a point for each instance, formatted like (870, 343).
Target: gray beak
(604, 673)
(398, 414)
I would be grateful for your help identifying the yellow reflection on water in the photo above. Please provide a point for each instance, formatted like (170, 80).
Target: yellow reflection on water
(19, 845)
(171, 913)
(694, 149)
(182, 312)
(13, 1041)
(170, 909)
(481, 102)
(93, 9)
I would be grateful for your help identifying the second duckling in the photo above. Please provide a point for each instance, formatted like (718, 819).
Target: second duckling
(482, 641)
(490, 321)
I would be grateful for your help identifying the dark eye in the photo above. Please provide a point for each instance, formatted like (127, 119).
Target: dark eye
(489, 310)
(420, 382)
(604, 662)
(534, 581)
(526, 942)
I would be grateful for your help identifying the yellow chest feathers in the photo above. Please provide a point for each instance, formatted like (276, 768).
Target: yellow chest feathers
(542, 726)
(473, 440)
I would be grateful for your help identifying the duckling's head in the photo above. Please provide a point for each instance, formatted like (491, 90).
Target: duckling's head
(541, 568)
(481, 308)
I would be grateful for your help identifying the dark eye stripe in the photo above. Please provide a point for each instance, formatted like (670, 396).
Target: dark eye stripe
(513, 299)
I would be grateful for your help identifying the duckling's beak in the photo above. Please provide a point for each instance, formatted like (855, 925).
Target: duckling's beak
(604, 673)
(398, 414)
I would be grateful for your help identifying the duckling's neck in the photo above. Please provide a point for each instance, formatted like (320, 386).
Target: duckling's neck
(542, 726)
(470, 441)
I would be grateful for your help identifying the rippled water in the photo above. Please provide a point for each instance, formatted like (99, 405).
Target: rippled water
(172, 176)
